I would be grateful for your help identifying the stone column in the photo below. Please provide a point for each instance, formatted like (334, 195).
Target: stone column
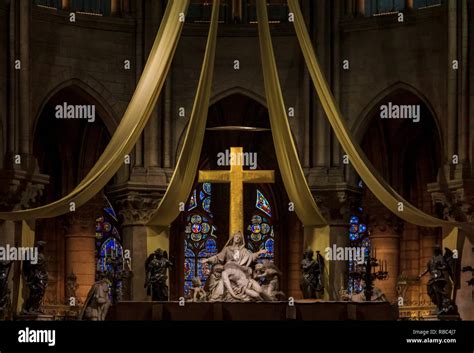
(115, 7)
(385, 229)
(295, 254)
(360, 8)
(65, 4)
(25, 116)
(136, 211)
(80, 248)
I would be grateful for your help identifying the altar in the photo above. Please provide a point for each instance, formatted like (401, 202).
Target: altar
(303, 310)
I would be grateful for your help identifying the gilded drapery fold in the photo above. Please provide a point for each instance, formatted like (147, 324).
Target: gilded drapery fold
(132, 124)
(184, 174)
(371, 178)
(287, 155)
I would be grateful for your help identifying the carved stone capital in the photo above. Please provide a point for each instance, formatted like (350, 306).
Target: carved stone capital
(455, 202)
(20, 190)
(136, 203)
(337, 203)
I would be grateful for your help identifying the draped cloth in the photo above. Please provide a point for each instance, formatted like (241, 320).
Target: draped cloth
(288, 161)
(184, 174)
(132, 124)
(371, 178)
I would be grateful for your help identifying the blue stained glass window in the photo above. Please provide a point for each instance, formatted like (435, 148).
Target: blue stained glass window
(262, 204)
(207, 187)
(358, 237)
(260, 234)
(206, 204)
(192, 201)
(200, 236)
(110, 261)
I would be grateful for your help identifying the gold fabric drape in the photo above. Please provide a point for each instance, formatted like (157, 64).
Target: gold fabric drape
(381, 189)
(184, 174)
(287, 155)
(132, 124)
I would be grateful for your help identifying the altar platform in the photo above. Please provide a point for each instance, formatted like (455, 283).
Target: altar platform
(273, 311)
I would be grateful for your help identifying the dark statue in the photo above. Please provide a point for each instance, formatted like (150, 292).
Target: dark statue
(4, 291)
(36, 279)
(441, 268)
(311, 280)
(156, 267)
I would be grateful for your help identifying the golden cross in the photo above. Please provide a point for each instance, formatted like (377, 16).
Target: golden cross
(236, 177)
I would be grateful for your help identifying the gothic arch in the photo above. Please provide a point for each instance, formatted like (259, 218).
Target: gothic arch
(217, 98)
(92, 90)
(238, 90)
(360, 125)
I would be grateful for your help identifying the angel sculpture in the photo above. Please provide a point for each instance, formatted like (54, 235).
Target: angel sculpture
(156, 266)
(441, 268)
(268, 276)
(197, 293)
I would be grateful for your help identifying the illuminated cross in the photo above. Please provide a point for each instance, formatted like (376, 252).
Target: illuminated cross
(236, 177)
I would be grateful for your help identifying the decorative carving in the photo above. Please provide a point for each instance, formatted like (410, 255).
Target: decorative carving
(19, 190)
(136, 209)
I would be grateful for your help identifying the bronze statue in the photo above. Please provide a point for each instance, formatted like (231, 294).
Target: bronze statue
(441, 268)
(4, 291)
(156, 266)
(311, 280)
(98, 302)
(36, 279)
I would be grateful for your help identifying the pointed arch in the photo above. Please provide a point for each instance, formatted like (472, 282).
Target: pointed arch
(360, 125)
(91, 90)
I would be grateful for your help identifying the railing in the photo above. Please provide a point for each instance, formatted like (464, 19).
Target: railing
(236, 11)
(200, 12)
(91, 7)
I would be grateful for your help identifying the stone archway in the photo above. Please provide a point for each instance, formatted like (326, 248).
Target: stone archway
(408, 155)
(66, 149)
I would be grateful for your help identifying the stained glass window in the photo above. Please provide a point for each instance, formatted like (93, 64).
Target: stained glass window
(358, 237)
(260, 233)
(200, 239)
(110, 262)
